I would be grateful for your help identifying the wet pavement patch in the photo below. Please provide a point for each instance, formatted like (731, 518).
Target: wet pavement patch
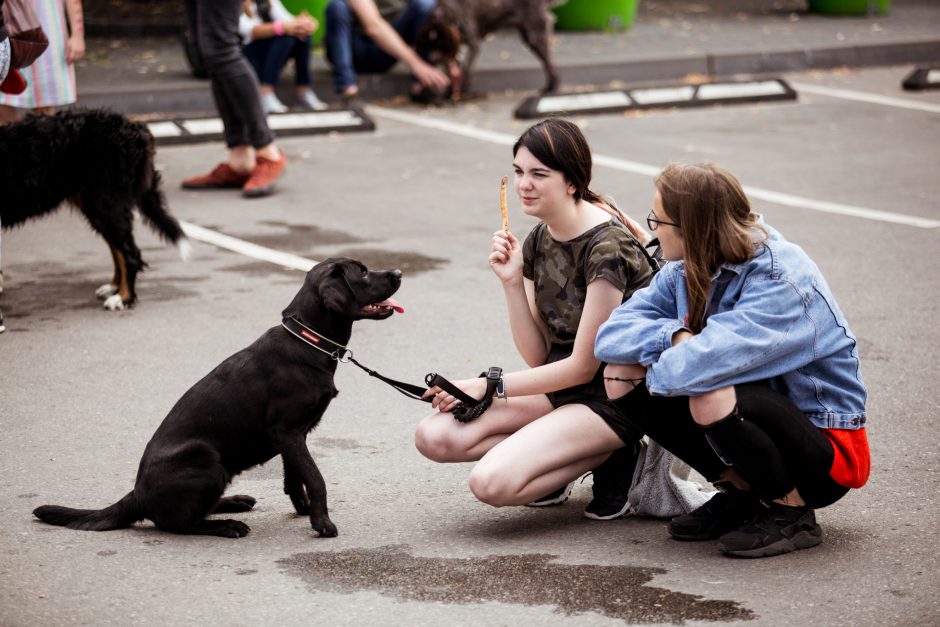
(408, 263)
(298, 238)
(619, 592)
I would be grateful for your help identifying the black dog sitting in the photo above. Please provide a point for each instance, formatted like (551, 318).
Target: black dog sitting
(101, 163)
(260, 402)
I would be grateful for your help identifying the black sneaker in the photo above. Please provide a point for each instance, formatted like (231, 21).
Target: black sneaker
(557, 497)
(777, 529)
(607, 504)
(612, 485)
(724, 512)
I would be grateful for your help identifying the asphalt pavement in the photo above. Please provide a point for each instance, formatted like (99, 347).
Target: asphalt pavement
(848, 171)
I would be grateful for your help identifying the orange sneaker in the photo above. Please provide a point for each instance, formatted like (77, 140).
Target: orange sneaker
(264, 177)
(222, 177)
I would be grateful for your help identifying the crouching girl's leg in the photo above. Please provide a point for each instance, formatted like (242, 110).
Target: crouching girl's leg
(543, 455)
(781, 454)
(441, 438)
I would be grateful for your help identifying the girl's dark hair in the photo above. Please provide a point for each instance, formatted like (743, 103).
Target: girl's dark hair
(717, 226)
(561, 146)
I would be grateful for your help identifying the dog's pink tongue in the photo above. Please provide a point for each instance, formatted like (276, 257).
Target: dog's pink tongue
(391, 302)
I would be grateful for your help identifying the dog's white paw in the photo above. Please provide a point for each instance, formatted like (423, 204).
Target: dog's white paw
(114, 303)
(105, 291)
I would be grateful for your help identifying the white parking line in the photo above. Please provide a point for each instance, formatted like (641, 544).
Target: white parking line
(859, 96)
(287, 260)
(644, 169)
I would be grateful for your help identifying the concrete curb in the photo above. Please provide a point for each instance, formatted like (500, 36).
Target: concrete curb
(194, 95)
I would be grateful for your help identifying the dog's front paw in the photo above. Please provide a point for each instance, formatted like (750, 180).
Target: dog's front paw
(301, 505)
(324, 526)
(114, 303)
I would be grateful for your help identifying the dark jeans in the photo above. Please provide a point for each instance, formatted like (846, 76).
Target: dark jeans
(349, 50)
(269, 56)
(771, 443)
(234, 84)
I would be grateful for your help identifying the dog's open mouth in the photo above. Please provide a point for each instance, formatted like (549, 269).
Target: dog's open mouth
(386, 307)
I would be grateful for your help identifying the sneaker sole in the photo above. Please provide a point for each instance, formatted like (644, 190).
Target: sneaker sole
(555, 501)
(802, 540)
(623, 512)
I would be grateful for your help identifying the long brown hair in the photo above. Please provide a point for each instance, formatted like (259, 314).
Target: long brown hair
(717, 226)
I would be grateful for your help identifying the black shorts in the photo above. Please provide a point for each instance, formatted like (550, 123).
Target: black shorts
(593, 396)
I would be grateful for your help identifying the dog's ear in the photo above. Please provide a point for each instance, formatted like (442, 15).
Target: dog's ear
(335, 293)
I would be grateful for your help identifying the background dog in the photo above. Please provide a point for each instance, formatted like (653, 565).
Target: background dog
(260, 402)
(100, 162)
(455, 24)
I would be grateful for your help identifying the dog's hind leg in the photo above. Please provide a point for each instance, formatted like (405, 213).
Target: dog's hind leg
(537, 37)
(108, 289)
(127, 263)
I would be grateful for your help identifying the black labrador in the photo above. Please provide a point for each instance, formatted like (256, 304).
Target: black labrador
(260, 402)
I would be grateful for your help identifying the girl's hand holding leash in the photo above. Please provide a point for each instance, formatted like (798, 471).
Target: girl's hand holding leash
(444, 402)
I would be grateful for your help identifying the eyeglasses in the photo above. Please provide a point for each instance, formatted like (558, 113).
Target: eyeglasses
(653, 223)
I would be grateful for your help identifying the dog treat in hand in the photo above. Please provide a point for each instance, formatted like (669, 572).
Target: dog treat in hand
(502, 203)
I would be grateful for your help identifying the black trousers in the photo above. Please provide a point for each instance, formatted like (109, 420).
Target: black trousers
(234, 83)
(769, 441)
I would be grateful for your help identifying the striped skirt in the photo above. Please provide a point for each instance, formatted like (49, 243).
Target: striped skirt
(50, 81)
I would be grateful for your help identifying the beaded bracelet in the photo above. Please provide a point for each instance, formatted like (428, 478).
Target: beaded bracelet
(278, 27)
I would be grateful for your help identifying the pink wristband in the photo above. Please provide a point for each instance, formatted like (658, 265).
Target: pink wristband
(278, 27)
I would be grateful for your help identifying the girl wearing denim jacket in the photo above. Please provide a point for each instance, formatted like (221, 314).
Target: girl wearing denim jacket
(738, 360)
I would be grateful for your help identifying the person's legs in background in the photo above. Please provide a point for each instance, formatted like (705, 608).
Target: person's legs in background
(338, 41)
(268, 58)
(306, 97)
(254, 162)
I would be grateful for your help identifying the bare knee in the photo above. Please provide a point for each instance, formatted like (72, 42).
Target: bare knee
(436, 442)
(491, 486)
(710, 407)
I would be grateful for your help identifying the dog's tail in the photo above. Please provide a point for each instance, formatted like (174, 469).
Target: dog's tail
(152, 206)
(122, 514)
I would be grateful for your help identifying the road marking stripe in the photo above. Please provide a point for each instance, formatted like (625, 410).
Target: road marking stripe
(287, 260)
(859, 96)
(643, 169)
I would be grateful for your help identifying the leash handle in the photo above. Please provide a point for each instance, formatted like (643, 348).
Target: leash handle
(411, 391)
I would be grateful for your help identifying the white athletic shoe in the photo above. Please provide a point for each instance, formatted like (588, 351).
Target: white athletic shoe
(309, 100)
(270, 104)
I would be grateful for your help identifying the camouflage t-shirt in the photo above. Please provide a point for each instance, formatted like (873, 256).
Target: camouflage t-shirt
(562, 271)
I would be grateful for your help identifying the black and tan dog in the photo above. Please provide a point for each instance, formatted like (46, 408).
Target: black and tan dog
(260, 402)
(455, 24)
(102, 164)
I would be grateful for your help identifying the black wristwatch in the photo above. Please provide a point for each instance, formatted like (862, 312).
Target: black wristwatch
(501, 388)
(494, 379)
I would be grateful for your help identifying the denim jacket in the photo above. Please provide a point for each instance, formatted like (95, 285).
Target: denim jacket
(772, 317)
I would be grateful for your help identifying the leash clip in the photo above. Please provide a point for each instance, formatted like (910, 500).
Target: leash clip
(342, 355)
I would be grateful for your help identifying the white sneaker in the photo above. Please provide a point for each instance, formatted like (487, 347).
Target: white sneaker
(270, 104)
(309, 100)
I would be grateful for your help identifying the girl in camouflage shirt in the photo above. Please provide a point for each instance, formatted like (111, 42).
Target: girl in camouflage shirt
(575, 267)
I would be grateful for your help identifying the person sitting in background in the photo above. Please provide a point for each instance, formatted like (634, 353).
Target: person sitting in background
(272, 36)
(370, 36)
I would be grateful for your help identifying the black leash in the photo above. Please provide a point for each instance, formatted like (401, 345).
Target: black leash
(343, 355)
